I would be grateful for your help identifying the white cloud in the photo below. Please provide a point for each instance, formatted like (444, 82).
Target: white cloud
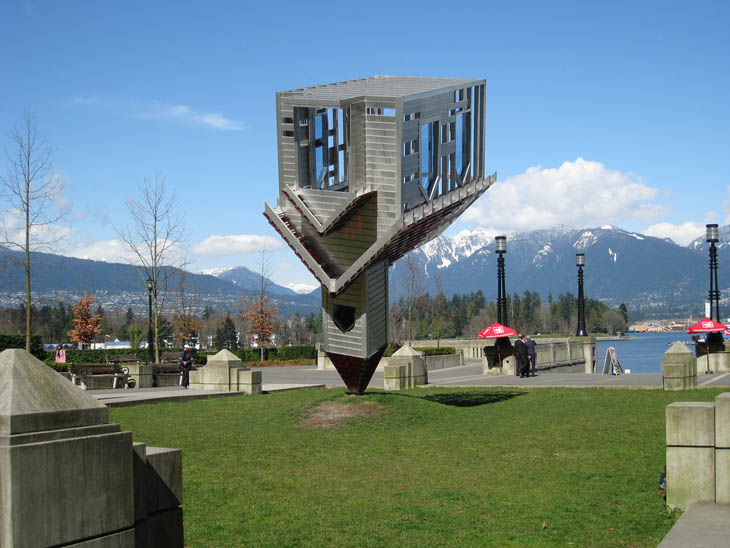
(680, 234)
(159, 110)
(580, 193)
(235, 244)
(110, 251)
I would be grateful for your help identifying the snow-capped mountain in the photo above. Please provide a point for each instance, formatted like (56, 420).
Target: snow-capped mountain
(645, 272)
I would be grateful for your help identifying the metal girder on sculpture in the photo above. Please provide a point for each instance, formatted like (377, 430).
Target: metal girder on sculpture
(370, 169)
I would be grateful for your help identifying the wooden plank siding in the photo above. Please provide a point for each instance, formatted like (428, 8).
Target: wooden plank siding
(376, 304)
(352, 342)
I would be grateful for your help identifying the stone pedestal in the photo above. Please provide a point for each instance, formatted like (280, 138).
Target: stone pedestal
(414, 366)
(142, 375)
(679, 368)
(690, 453)
(589, 354)
(225, 372)
(67, 477)
(722, 448)
(509, 365)
(394, 377)
(719, 362)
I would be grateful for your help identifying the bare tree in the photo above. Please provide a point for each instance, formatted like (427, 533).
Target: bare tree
(413, 281)
(259, 311)
(31, 192)
(155, 236)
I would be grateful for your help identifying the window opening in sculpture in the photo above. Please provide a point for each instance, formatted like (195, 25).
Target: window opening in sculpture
(322, 139)
(344, 317)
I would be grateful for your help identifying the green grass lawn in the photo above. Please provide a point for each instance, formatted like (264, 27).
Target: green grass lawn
(434, 467)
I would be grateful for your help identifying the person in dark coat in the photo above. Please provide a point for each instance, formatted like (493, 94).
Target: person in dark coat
(186, 364)
(531, 354)
(521, 358)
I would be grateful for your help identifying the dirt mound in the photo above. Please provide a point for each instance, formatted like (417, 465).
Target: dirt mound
(335, 413)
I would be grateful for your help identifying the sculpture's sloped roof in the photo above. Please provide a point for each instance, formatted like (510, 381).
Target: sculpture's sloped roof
(387, 87)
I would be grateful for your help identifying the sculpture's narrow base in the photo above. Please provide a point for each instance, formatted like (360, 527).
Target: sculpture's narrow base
(356, 372)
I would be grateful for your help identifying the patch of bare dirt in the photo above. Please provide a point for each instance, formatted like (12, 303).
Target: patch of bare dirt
(335, 413)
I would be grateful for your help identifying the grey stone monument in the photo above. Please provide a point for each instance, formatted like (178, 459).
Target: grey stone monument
(69, 478)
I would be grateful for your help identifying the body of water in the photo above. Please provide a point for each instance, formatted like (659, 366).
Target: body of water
(642, 354)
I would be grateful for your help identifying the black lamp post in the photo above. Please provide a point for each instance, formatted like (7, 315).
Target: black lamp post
(500, 244)
(580, 262)
(150, 344)
(713, 236)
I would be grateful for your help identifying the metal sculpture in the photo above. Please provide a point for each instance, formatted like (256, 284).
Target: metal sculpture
(370, 169)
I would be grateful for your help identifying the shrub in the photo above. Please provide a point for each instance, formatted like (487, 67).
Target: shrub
(436, 351)
(18, 341)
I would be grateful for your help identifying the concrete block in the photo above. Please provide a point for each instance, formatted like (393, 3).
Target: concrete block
(509, 365)
(690, 476)
(161, 530)
(722, 420)
(691, 424)
(163, 489)
(720, 362)
(62, 490)
(722, 476)
(394, 377)
(142, 374)
(123, 539)
(249, 381)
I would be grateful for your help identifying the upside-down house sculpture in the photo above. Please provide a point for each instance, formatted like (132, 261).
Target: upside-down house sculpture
(370, 169)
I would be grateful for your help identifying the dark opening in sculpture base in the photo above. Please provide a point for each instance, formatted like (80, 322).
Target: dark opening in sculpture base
(356, 372)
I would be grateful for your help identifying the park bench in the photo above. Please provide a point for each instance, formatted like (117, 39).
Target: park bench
(118, 359)
(167, 372)
(83, 374)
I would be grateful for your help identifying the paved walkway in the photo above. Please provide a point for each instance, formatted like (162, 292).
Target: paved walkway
(287, 378)
(703, 525)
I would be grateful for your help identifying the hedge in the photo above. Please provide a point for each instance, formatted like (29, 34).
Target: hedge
(303, 351)
(18, 341)
(427, 350)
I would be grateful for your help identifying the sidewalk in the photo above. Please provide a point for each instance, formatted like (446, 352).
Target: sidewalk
(703, 525)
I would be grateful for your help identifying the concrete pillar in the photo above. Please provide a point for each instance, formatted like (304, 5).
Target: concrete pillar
(679, 368)
(394, 377)
(690, 453)
(414, 363)
(249, 382)
(142, 375)
(719, 362)
(589, 354)
(67, 476)
(722, 448)
(220, 374)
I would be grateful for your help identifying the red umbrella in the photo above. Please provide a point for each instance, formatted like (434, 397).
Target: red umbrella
(496, 331)
(706, 325)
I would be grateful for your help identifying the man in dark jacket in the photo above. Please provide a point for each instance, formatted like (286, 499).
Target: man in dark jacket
(186, 364)
(531, 354)
(522, 361)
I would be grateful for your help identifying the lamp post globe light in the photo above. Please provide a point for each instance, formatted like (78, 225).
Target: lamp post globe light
(500, 244)
(713, 236)
(580, 262)
(150, 344)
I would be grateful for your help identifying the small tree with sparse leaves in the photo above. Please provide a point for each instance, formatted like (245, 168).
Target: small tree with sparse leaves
(86, 326)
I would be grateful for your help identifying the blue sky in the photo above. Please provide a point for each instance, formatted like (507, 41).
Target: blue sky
(597, 113)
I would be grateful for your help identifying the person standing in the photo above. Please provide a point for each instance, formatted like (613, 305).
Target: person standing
(521, 359)
(60, 354)
(531, 354)
(186, 364)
